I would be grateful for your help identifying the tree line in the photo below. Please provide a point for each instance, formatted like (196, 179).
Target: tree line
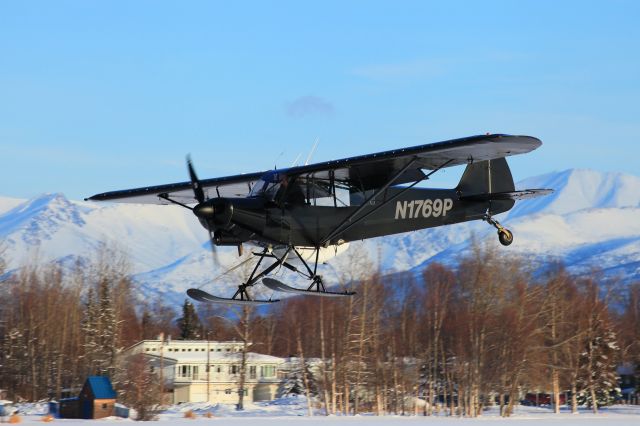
(447, 340)
(458, 340)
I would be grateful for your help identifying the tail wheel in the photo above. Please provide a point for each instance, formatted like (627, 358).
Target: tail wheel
(505, 236)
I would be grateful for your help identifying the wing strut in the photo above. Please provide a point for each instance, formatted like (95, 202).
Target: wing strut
(349, 222)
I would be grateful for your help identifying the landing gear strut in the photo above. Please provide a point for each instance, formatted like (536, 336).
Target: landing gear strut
(504, 235)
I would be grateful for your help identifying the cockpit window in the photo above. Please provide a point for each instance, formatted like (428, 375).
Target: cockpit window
(267, 186)
(299, 190)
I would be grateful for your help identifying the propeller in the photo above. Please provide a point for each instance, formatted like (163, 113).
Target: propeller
(195, 182)
(199, 193)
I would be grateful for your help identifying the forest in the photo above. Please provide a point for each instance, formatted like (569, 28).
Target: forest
(483, 331)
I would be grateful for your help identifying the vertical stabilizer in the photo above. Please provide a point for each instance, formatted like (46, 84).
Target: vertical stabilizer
(486, 177)
(488, 181)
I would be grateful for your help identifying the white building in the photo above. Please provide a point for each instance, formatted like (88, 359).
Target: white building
(200, 370)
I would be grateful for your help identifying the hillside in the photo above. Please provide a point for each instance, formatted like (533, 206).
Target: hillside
(591, 221)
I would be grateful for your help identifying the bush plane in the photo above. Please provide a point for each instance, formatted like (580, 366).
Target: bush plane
(303, 215)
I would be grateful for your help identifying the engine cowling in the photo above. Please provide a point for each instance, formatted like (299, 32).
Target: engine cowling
(231, 218)
(217, 212)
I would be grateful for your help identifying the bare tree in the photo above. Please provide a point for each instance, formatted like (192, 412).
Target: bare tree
(139, 387)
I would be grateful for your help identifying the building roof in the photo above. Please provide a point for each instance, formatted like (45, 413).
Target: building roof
(177, 342)
(214, 357)
(626, 369)
(101, 387)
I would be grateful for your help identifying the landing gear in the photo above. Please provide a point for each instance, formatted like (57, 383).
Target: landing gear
(242, 297)
(504, 235)
(316, 288)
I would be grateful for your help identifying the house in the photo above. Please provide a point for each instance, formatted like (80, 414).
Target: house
(201, 371)
(97, 399)
(628, 382)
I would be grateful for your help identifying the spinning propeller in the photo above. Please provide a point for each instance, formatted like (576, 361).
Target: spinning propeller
(203, 210)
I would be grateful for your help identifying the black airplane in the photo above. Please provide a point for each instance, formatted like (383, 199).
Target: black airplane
(302, 215)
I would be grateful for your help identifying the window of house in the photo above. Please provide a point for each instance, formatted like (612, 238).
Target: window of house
(252, 371)
(218, 369)
(227, 391)
(267, 371)
(104, 406)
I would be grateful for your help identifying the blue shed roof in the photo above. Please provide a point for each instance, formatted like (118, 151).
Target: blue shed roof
(101, 387)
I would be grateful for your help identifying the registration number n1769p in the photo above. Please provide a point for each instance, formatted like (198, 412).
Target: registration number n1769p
(423, 208)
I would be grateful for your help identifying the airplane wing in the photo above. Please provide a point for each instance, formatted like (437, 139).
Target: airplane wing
(374, 170)
(362, 172)
(228, 186)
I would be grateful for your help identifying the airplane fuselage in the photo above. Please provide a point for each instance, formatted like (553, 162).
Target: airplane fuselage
(307, 225)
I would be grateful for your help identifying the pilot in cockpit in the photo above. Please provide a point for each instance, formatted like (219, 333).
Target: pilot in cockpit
(291, 192)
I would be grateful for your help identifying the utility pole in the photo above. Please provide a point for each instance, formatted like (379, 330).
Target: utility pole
(208, 365)
(161, 368)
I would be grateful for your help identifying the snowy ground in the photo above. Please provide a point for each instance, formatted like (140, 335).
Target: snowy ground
(290, 411)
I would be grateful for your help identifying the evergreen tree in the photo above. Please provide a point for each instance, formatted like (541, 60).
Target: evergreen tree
(189, 323)
(90, 333)
(598, 378)
(145, 324)
(294, 382)
(106, 327)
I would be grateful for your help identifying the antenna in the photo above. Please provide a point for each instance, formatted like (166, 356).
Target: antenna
(295, 162)
(312, 151)
(275, 163)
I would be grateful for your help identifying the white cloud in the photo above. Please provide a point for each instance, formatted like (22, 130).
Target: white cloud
(309, 105)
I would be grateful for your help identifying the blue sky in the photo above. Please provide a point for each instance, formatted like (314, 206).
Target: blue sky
(98, 96)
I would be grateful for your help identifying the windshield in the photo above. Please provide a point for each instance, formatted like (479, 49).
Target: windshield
(267, 186)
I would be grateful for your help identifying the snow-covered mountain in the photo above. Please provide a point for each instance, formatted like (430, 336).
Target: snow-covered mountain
(591, 221)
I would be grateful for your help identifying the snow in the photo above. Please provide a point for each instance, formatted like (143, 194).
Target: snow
(8, 203)
(221, 356)
(592, 219)
(293, 410)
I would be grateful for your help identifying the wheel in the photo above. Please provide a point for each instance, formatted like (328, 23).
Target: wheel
(505, 236)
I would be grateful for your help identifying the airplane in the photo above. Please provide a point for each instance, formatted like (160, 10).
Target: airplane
(306, 214)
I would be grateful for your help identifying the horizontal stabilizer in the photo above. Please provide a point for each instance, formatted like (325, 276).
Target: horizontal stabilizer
(203, 296)
(276, 285)
(525, 194)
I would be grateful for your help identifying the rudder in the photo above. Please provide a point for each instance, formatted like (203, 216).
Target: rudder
(488, 182)
(486, 177)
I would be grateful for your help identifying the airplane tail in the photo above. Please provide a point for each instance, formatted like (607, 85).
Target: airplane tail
(491, 180)
(488, 181)
(485, 178)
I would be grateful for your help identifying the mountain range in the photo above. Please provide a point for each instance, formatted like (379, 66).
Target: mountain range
(591, 221)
